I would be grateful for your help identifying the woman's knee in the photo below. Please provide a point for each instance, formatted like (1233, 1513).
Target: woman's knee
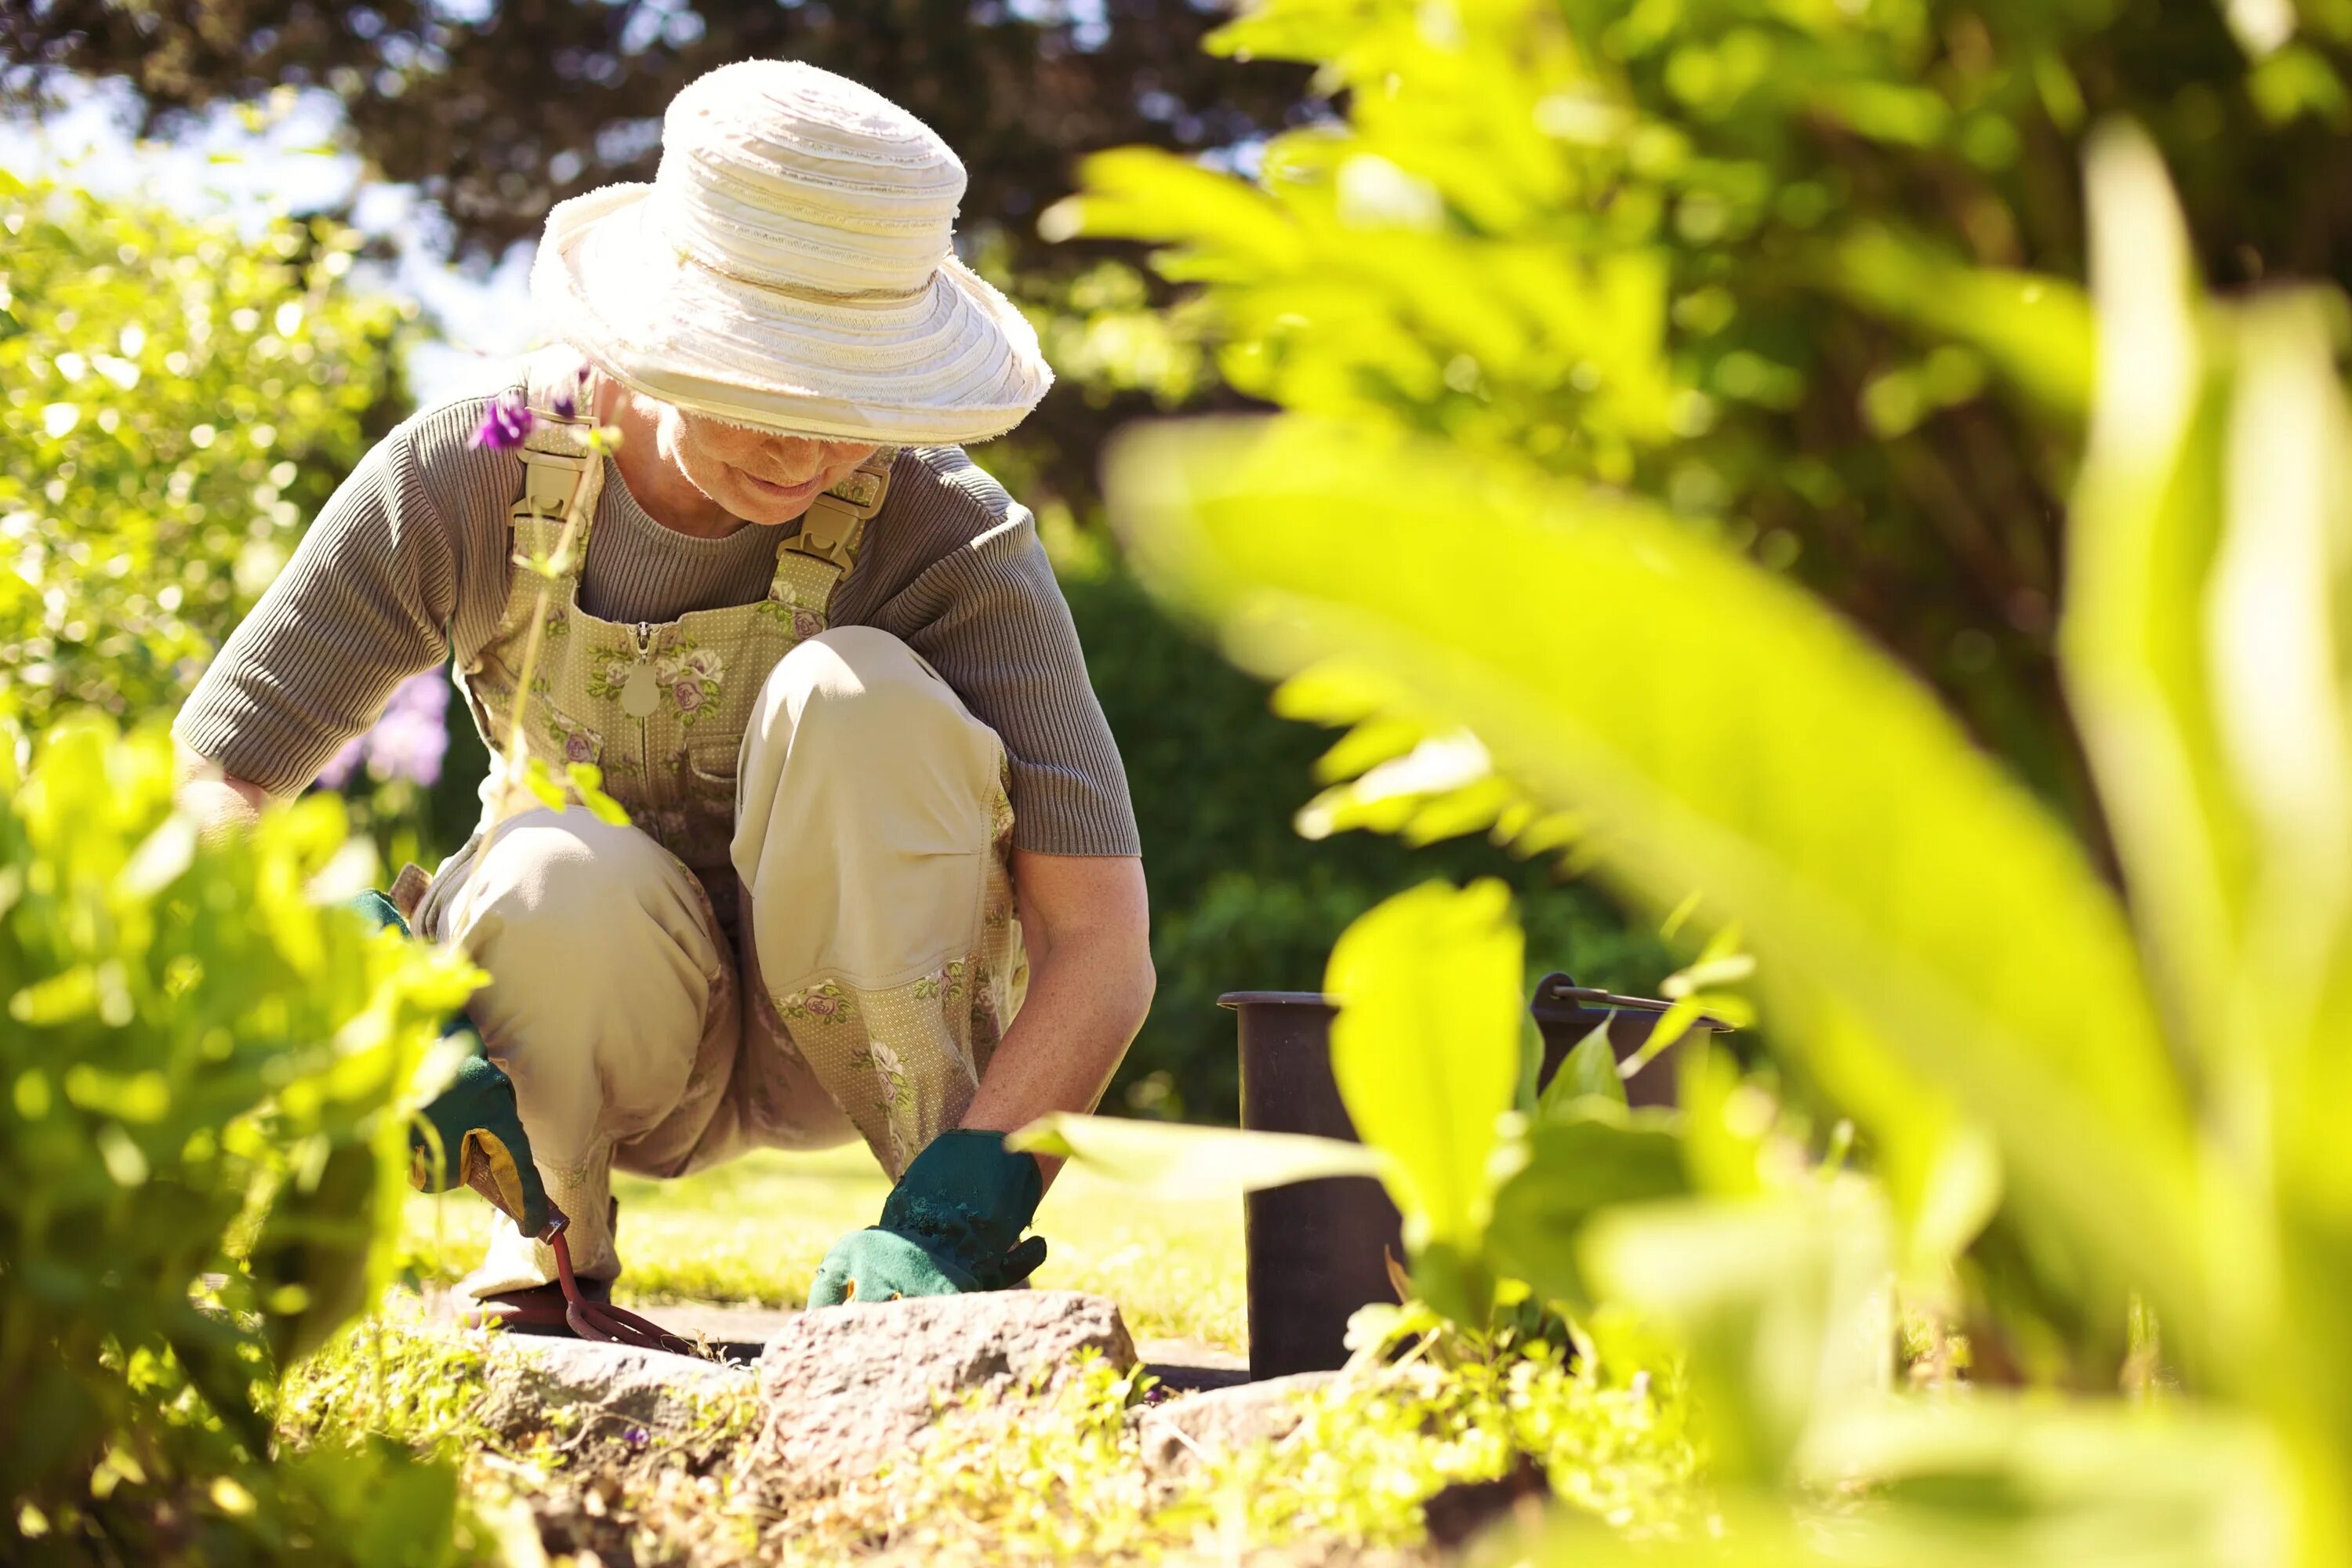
(602, 962)
(855, 693)
(569, 881)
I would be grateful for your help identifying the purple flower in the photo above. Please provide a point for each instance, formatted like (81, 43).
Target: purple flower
(688, 693)
(579, 748)
(339, 767)
(410, 740)
(504, 424)
(805, 623)
(407, 742)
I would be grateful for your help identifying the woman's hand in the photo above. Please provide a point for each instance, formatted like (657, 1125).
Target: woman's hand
(954, 1221)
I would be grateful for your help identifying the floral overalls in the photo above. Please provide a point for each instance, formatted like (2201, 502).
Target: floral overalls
(662, 710)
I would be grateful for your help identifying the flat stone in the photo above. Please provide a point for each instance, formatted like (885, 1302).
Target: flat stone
(1176, 1435)
(536, 1382)
(842, 1389)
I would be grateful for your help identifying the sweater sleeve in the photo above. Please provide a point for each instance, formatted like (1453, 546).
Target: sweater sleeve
(992, 620)
(364, 604)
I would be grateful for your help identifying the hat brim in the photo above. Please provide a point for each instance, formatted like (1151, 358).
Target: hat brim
(953, 361)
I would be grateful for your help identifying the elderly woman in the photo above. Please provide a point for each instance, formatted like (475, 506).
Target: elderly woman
(818, 655)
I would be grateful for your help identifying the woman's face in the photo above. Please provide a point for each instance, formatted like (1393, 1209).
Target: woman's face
(760, 476)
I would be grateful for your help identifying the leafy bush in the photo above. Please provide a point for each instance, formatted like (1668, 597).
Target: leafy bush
(2152, 1092)
(204, 1140)
(181, 399)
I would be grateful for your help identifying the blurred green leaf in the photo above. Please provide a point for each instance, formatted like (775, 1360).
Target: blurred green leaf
(1579, 1165)
(1781, 1303)
(1425, 1047)
(1964, 934)
(1591, 1068)
(1168, 1161)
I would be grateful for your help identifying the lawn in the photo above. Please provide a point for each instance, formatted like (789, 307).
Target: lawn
(753, 1232)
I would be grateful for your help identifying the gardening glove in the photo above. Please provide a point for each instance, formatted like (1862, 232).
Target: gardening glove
(472, 1133)
(952, 1224)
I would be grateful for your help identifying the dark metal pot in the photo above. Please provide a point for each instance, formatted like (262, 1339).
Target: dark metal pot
(1318, 1250)
(1566, 1012)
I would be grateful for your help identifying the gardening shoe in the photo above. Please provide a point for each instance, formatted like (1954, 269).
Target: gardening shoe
(534, 1310)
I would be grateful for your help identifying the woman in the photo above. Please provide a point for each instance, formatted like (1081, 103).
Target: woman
(816, 653)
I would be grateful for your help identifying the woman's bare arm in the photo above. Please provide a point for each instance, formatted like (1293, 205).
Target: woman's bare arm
(219, 802)
(1086, 922)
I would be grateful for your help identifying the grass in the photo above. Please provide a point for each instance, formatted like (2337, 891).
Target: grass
(753, 1231)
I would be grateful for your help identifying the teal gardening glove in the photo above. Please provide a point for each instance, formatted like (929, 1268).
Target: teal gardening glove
(471, 1134)
(952, 1224)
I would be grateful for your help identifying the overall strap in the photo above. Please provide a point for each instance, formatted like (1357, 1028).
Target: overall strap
(559, 469)
(812, 563)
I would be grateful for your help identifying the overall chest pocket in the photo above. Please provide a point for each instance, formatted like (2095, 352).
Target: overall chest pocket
(712, 776)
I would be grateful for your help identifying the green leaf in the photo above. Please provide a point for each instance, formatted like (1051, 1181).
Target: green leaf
(1146, 194)
(587, 782)
(1589, 1069)
(2033, 1480)
(540, 783)
(2036, 330)
(2203, 647)
(1723, 733)
(1426, 1047)
(2135, 634)
(1169, 1160)
(1781, 1303)
(1589, 1159)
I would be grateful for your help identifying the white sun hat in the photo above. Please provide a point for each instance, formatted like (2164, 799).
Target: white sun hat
(792, 267)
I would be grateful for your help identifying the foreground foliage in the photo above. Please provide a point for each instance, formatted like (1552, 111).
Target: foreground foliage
(1050, 1473)
(201, 1142)
(2084, 1117)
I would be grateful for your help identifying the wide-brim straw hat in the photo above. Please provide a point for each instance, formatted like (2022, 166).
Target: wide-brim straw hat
(792, 267)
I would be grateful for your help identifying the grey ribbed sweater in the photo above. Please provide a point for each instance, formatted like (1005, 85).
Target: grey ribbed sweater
(410, 559)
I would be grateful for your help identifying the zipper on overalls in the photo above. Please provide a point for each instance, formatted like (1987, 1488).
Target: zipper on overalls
(643, 639)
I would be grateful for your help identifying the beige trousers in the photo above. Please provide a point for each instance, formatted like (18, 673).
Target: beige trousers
(874, 961)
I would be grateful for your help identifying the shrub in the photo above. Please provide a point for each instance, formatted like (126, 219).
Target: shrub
(2103, 1127)
(181, 398)
(204, 1076)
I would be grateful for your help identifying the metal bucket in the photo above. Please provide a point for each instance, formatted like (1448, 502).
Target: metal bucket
(1565, 1013)
(1318, 1250)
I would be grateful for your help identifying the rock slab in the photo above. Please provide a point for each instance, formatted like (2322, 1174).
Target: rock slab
(842, 1389)
(534, 1383)
(1176, 1435)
